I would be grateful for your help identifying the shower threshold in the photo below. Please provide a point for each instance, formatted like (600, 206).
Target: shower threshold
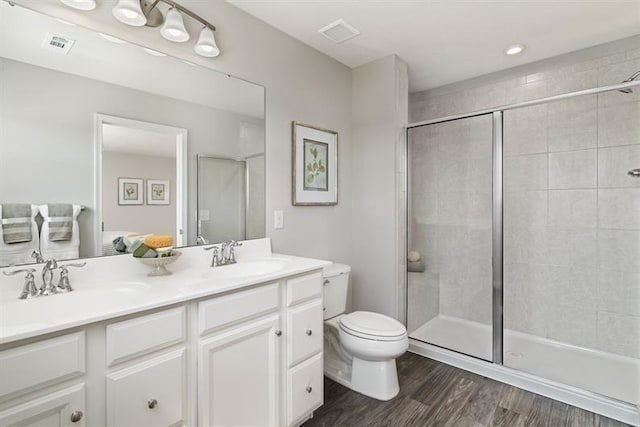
(593, 370)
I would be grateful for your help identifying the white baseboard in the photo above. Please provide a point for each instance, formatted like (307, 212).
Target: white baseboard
(593, 402)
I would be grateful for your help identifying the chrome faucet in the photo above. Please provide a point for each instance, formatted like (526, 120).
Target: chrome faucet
(48, 288)
(224, 255)
(201, 240)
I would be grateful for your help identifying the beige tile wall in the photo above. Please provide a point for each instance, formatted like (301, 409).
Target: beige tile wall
(571, 212)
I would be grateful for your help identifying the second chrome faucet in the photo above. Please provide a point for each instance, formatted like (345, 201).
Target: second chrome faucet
(224, 254)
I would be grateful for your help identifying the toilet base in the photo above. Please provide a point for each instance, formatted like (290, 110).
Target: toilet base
(375, 379)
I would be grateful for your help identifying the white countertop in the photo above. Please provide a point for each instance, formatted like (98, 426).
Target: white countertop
(115, 286)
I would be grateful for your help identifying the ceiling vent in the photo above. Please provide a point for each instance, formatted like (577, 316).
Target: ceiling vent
(57, 44)
(339, 31)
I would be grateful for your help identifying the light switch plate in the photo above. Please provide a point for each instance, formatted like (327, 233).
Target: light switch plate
(278, 220)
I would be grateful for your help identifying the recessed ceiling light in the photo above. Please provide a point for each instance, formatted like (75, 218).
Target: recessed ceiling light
(153, 52)
(112, 39)
(514, 49)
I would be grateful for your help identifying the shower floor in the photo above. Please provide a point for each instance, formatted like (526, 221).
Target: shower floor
(593, 370)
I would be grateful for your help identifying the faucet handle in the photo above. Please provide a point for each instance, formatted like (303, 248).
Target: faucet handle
(64, 267)
(29, 289)
(64, 284)
(22, 270)
(37, 255)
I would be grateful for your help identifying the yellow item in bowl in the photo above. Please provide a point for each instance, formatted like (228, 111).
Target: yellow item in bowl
(158, 241)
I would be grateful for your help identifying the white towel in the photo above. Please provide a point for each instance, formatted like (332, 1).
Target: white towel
(59, 250)
(20, 253)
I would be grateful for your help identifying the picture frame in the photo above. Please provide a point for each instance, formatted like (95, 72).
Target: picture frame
(315, 166)
(158, 192)
(130, 191)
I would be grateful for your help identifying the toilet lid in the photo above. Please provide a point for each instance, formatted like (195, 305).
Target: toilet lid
(374, 324)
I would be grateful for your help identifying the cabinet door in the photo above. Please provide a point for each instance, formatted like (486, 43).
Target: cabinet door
(62, 408)
(151, 393)
(239, 376)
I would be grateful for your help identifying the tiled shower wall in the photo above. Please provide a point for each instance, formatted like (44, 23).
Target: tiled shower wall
(572, 214)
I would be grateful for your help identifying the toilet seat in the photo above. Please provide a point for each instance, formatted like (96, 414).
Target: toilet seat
(373, 326)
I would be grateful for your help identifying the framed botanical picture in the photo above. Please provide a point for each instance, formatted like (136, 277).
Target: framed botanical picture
(130, 191)
(157, 191)
(315, 165)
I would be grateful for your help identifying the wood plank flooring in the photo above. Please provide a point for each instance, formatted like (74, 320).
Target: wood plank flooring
(437, 395)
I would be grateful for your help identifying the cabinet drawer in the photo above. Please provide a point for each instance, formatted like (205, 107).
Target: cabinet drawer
(304, 389)
(41, 363)
(304, 332)
(145, 334)
(223, 311)
(304, 288)
(151, 393)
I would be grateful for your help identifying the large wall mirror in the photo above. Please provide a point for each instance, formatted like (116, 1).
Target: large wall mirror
(115, 134)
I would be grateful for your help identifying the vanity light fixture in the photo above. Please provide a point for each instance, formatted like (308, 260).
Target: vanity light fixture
(514, 49)
(80, 4)
(139, 13)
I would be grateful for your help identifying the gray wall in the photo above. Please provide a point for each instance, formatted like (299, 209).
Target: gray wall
(379, 114)
(48, 130)
(158, 219)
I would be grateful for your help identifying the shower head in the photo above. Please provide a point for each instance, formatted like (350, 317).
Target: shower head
(630, 79)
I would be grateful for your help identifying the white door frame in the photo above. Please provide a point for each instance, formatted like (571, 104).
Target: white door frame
(181, 190)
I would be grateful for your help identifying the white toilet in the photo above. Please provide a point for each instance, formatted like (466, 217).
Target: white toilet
(359, 348)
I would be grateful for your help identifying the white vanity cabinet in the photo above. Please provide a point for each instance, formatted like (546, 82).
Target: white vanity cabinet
(42, 383)
(249, 356)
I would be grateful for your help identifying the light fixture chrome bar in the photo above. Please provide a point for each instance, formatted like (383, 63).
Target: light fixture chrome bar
(151, 6)
(593, 91)
(497, 254)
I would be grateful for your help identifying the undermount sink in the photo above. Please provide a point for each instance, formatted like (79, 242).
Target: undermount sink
(246, 269)
(49, 310)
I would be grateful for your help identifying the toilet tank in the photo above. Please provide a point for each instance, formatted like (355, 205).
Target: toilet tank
(335, 280)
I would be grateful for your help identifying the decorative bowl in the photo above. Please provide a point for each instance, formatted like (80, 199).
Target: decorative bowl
(159, 264)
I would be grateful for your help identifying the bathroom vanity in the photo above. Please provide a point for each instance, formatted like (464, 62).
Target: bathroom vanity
(238, 344)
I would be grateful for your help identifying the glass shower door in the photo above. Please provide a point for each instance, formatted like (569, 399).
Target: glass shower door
(222, 199)
(450, 197)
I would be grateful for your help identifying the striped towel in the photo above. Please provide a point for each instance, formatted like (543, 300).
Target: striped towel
(16, 223)
(60, 222)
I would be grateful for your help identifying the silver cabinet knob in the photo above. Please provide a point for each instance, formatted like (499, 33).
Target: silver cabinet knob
(152, 403)
(309, 389)
(308, 332)
(278, 332)
(76, 416)
(326, 282)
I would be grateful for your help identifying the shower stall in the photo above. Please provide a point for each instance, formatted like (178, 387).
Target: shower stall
(524, 231)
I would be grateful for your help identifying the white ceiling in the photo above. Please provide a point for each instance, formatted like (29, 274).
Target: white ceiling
(138, 141)
(22, 32)
(446, 41)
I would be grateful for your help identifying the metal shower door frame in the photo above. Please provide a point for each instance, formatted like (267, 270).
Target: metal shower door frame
(497, 192)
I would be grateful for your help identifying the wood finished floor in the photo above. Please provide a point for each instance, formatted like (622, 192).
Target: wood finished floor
(434, 394)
